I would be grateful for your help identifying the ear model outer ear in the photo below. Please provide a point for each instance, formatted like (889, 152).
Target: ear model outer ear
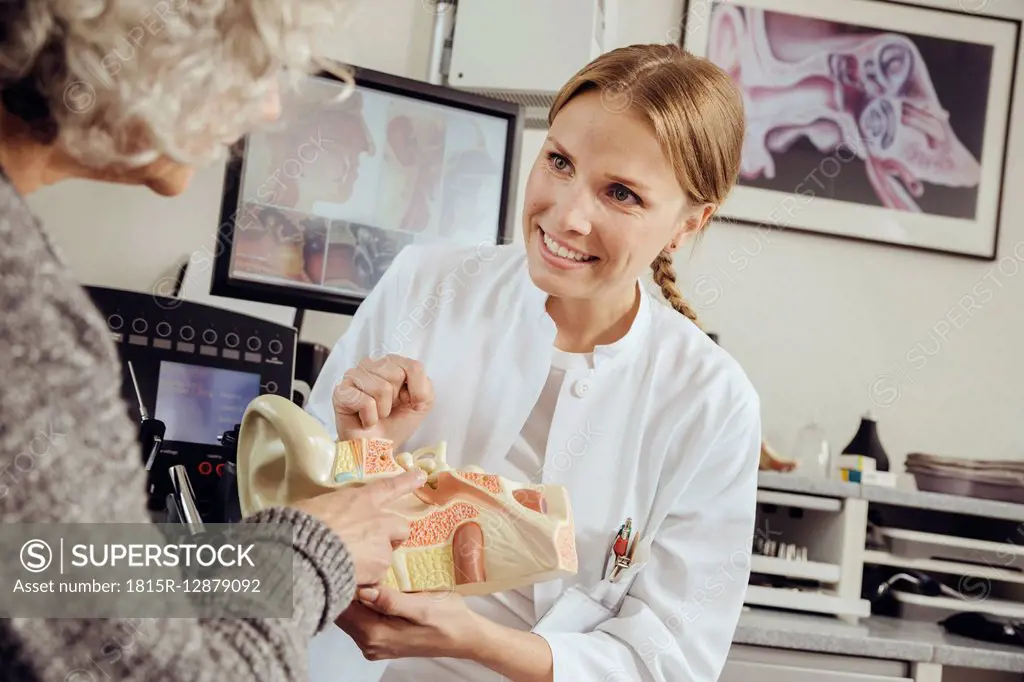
(284, 455)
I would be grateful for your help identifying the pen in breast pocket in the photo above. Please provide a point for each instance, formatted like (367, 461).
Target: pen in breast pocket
(622, 550)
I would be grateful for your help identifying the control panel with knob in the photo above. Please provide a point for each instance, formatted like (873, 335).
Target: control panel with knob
(196, 368)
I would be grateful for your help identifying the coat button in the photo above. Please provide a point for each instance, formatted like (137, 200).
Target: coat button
(581, 388)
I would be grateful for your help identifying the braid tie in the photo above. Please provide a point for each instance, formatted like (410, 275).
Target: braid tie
(665, 277)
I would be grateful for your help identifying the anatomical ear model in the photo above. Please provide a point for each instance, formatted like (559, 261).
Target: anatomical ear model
(471, 532)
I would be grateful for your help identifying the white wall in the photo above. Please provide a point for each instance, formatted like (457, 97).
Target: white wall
(781, 302)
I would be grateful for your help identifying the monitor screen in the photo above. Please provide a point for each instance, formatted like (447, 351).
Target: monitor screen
(197, 403)
(330, 194)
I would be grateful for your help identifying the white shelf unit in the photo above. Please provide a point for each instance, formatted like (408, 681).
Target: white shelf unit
(833, 529)
(802, 570)
(832, 522)
(991, 573)
(979, 575)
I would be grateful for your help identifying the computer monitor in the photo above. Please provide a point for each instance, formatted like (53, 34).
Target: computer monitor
(315, 208)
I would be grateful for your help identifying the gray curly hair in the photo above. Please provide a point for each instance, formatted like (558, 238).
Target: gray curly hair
(120, 83)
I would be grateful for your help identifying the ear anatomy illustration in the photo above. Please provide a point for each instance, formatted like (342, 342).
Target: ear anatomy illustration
(864, 94)
(470, 532)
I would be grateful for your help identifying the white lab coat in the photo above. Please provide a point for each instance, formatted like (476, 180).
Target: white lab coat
(665, 429)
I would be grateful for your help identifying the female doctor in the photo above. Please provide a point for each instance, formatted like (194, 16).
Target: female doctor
(552, 364)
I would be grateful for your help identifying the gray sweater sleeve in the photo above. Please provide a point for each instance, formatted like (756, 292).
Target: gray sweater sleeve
(68, 454)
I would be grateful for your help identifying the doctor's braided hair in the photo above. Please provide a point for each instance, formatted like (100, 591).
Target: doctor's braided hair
(665, 277)
(697, 115)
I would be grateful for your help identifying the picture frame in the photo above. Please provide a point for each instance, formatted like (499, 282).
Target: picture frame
(869, 120)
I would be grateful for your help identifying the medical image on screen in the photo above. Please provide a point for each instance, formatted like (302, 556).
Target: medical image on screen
(277, 244)
(408, 196)
(472, 176)
(320, 150)
(198, 404)
(357, 180)
(357, 256)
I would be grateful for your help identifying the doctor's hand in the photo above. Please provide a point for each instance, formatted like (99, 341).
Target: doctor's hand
(387, 624)
(360, 518)
(386, 397)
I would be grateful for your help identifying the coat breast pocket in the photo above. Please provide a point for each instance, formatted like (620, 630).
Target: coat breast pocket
(575, 611)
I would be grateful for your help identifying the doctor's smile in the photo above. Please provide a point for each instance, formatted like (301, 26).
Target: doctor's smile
(562, 255)
(552, 466)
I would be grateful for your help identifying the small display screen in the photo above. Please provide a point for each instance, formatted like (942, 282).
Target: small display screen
(197, 404)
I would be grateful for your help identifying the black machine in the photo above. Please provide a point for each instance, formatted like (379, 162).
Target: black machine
(189, 370)
(310, 359)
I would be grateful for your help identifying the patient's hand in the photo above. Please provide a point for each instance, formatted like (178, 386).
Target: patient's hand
(361, 517)
(386, 397)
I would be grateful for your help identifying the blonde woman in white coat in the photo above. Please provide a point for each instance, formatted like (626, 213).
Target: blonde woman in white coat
(551, 363)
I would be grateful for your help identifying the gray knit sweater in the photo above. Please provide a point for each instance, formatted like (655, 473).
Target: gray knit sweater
(59, 376)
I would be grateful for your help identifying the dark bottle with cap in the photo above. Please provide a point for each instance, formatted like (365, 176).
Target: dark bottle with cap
(865, 442)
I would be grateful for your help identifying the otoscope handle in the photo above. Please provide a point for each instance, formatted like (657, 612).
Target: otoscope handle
(151, 436)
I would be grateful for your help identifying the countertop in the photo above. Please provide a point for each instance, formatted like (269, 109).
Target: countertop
(957, 504)
(875, 637)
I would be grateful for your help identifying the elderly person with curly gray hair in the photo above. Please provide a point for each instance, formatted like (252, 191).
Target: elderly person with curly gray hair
(138, 92)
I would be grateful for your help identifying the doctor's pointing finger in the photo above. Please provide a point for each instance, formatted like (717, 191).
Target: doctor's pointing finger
(383, 397)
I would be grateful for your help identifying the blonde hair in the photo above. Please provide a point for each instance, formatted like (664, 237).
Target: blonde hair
(120, 84)
(697, 115)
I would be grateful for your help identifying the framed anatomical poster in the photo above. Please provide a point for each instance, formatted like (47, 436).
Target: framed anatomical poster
(866, 119)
